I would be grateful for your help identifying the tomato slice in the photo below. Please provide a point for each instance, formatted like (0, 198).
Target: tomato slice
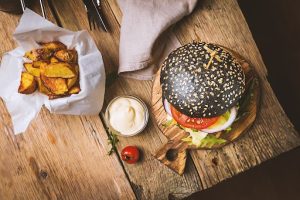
(190, 122)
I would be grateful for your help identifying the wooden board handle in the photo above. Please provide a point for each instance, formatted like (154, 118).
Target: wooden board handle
(173, 155)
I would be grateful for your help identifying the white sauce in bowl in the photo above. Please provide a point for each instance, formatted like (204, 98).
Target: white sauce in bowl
(127, 115)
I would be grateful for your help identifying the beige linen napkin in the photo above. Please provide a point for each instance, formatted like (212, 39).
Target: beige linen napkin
(145, 40)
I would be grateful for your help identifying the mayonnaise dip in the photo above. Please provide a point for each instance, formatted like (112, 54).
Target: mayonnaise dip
(127, 115)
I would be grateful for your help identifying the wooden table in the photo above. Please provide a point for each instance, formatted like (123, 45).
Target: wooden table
(65, 157)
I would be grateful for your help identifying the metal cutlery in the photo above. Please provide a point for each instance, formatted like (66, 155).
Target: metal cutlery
(41, 4)
(93, 10)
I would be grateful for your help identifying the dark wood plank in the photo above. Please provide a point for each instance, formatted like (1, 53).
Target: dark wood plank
(278, 41)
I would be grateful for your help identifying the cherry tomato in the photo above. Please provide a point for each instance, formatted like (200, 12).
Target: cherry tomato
(189, 122)
(130, 154)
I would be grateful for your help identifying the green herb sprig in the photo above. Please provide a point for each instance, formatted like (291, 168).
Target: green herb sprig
(112, 140)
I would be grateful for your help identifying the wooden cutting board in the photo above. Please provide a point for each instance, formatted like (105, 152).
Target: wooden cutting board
(173, 154)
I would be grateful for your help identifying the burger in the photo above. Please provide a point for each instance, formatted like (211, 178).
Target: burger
(202, 87)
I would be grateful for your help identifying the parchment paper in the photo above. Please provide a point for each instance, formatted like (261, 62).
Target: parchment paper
(23, 108)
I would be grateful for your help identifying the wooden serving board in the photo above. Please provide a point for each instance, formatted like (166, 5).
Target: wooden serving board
(173, 154)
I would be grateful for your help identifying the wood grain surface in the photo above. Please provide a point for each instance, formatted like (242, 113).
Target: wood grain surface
(64, 157)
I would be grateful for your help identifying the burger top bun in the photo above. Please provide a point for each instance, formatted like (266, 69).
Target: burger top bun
(202, 80)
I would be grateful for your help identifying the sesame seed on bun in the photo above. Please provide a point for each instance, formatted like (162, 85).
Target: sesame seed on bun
(202, 80)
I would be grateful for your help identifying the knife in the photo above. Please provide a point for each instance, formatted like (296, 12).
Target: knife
(97, 6)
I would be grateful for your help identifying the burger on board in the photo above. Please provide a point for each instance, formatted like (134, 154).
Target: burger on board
(202, 84)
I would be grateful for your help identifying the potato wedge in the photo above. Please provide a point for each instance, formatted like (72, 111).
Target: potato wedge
(54, 71)
(28, 83)
(74, 90)
(71, 81)
(31, 70)
(41, 87)
(53, 60)
(57, 86)
(38, 54)
(37, 64)
(54, 46)
(64, 55)
(59, 70)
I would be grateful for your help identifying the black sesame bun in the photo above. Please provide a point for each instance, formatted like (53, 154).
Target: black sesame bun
(202, 80)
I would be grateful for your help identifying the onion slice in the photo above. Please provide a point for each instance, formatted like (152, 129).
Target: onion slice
(167, 107)
(233, 113)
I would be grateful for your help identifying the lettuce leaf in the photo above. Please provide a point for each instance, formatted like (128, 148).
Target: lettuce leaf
(169, 122)
(199, 138)
(228, 129)
(226, 115)
(207, 142)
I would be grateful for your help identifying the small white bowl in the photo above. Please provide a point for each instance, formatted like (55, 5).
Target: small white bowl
(134, 98)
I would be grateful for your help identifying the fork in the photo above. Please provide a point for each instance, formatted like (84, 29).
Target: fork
(91, 21)
(93, 14)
